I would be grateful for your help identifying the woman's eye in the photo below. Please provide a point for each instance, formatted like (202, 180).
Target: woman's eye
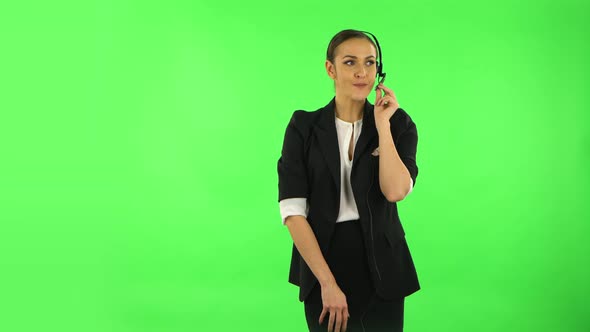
(351, 62)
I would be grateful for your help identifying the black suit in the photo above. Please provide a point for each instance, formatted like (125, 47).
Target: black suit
(310, 167)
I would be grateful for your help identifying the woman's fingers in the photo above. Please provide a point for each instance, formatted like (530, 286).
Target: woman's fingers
(345, 320)
(338, 321)
(322, 315)
(388, 100)
(387, 97)
(378, 93)
(342, 320)
(331, 320)
(385, 100)
(335, 306)
(387, 91)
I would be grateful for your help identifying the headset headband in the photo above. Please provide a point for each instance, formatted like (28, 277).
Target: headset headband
(380, 72)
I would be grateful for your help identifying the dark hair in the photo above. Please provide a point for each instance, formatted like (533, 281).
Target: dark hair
(343, 36)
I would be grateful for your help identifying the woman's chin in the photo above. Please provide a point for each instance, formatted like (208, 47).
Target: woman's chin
(359, 97)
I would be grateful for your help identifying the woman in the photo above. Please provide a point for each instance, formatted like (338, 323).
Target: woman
(342, 169)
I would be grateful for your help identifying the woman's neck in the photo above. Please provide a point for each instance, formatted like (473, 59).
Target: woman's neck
(349, 110)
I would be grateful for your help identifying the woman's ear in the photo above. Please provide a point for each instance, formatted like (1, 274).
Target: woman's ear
(330, 69)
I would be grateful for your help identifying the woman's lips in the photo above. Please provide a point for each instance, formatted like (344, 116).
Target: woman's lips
(362, 85)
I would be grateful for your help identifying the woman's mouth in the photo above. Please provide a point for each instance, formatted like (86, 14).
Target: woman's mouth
(360, 85)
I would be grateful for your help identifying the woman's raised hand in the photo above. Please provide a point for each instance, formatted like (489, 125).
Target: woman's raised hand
(385, 106)
(334, 304)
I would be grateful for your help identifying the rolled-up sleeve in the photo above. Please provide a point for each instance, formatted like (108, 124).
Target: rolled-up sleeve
(293, 207)
(291, 165)
(293, 186)
(411, 186)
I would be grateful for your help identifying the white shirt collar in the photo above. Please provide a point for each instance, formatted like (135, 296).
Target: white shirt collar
(345, 123)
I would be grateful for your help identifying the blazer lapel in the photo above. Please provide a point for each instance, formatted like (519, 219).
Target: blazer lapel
(368, 132)
(328, 140)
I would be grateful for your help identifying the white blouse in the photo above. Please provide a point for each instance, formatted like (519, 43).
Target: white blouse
(348, 208)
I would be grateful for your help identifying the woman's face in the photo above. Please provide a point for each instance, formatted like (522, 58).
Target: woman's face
(354, 68)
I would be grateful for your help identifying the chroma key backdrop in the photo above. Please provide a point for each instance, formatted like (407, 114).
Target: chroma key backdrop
(139, 143)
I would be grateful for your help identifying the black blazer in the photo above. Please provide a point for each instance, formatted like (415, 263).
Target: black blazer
(309, 167)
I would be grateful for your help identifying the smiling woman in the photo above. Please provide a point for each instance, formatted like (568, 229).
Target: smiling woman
(338, 196)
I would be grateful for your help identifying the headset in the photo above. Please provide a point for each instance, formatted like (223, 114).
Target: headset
(380, 72)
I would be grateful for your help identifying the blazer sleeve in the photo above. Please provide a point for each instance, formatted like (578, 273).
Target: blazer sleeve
(291, 166)
(406, 145)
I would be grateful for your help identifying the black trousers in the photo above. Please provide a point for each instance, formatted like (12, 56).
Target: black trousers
(347, 259)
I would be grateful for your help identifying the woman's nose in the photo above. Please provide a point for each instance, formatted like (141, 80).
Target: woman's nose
(361, 72)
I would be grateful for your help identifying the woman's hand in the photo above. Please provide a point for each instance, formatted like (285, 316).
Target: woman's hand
(334, 303)
(385, 106)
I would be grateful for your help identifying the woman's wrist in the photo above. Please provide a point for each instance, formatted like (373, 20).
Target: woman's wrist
(327, 281)
(382, 127)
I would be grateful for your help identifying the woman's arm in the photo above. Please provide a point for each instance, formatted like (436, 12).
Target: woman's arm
(293, 184)
(307, 245)
(333, 299)
(394, 177)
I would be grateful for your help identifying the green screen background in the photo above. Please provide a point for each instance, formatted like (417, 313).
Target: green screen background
(139, 141)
